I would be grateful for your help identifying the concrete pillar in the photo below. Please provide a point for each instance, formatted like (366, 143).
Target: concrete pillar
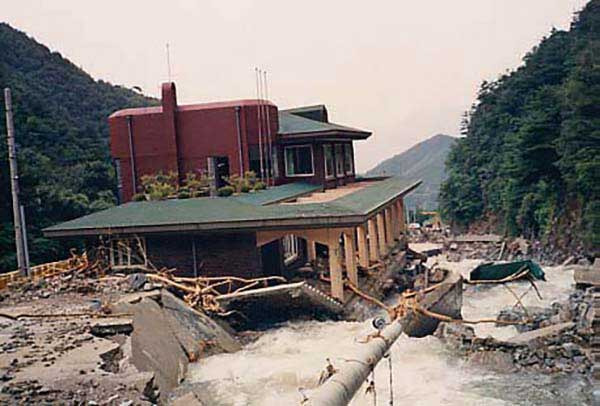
(350, 255)
(373, 246)
(398, 228)
(381, 235)
(335, 268)
(394, 220)
(401, 216)
(311, 250)
(363, 252)
(389, 234)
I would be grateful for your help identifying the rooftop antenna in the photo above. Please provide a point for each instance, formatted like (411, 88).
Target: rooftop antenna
(268, 126)
(258, 114)
(263, 109)
(168, 63)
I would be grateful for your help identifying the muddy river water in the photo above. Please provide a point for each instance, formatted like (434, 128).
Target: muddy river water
(285, 362)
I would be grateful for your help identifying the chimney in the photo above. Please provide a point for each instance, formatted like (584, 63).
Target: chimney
(169, 107)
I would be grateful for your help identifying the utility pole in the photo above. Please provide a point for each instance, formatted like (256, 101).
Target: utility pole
(14, 184)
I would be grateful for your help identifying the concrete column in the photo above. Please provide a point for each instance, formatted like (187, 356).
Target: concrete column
(311, 250)
(381, 235)
(373, 246)
(335, 268)
(389, 234)
(363, 252)
(401, 216)
(350, 254)
(397, 211)
(394, 220)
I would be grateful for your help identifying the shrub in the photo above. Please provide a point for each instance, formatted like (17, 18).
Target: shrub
(259, 185)
(138, 197)
(225, 191)
(184, 193)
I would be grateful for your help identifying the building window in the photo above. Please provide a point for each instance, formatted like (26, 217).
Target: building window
(128, 252)
(348, 161)
(329, 162)
(299, 161)
(339, 160)
(290, 249)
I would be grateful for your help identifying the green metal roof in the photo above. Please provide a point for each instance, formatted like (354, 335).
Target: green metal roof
(317, 112)
(278, 194)
(234, 213)
(292, 124)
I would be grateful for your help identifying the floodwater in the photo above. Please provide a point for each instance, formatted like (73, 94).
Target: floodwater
(284, 364)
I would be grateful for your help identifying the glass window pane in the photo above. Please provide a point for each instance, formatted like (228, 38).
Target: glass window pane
(348, 161)
(299, 160)
(339, 159)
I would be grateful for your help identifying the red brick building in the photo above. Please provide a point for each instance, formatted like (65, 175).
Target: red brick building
(296, 144)
(314, 211)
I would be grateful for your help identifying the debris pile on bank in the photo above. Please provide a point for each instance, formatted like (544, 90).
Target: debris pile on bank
(550, 340)
(83, 335)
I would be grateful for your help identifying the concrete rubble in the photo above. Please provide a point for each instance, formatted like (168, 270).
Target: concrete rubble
(559, 339)
(139, 356)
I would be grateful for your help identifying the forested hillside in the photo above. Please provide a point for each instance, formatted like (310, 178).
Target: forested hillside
(423, 161)
(62, 141)
(530, 161)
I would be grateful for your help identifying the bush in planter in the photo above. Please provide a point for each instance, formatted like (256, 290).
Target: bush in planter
(184, 193)
(259, 185)
(225, 191)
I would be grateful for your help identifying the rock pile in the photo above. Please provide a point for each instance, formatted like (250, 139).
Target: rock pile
(555, 340)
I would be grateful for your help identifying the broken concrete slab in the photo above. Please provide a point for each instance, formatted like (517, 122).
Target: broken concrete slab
(154, 347)
(111, 327)
(532, 336)
(586, 276)
(470, 238)
(189, 399)
(196, 332)
(135, 297)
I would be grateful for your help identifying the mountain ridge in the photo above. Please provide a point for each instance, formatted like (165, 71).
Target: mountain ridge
(424, 160)
(61, 135)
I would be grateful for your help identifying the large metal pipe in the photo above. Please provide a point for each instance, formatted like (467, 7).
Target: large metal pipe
(343, 385)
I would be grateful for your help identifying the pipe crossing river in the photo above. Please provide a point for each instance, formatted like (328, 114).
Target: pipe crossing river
(343, 385)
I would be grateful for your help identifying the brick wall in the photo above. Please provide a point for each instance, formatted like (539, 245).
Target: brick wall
(216, 254)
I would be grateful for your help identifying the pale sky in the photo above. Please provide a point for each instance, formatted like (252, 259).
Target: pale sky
(404, 69)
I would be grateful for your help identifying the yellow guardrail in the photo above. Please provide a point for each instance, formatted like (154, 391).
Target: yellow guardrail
(44, 270)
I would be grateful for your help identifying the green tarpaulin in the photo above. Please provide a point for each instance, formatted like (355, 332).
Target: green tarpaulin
(497, 272)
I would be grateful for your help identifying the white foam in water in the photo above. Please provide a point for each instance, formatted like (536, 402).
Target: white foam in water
(272, 370)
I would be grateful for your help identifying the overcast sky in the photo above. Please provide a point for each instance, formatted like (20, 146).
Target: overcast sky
(404, 69)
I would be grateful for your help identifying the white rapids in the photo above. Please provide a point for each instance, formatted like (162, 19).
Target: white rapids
(284, 364)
